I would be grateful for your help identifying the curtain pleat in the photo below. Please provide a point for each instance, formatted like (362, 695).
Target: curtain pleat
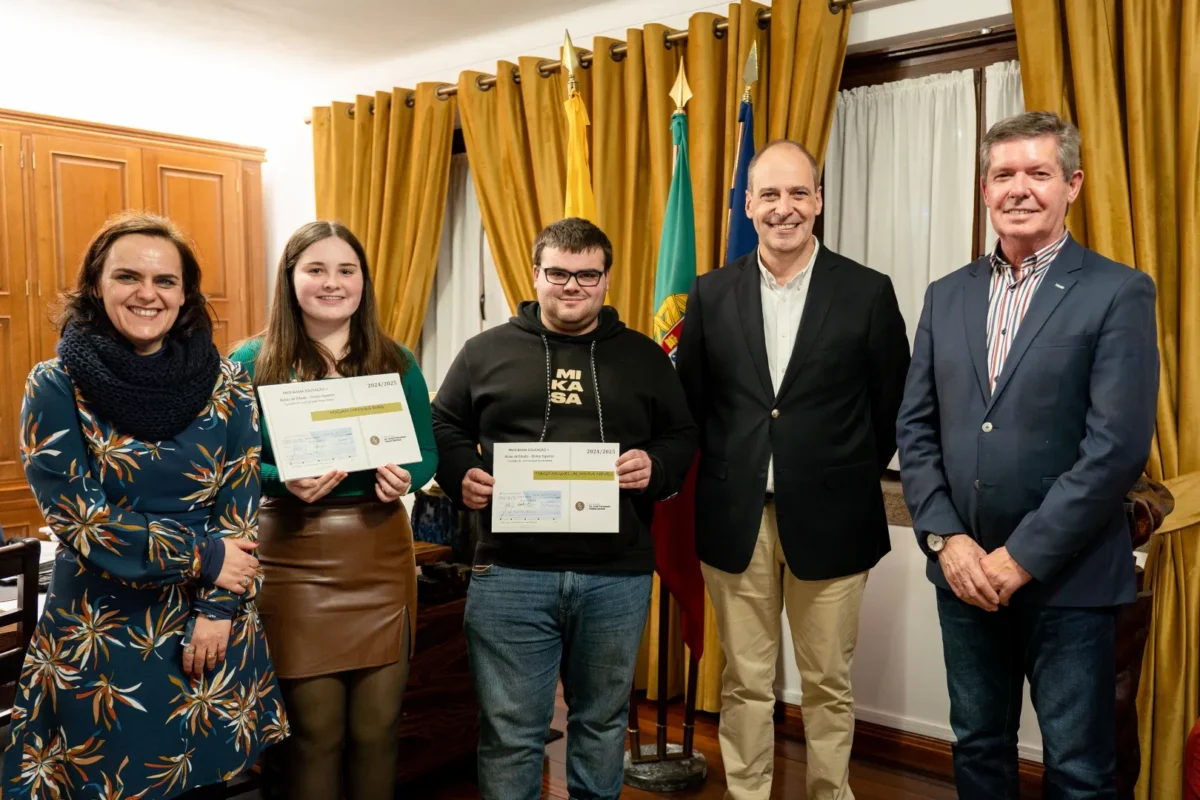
(382, 168)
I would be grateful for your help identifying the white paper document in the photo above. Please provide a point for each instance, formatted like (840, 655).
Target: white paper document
(556, 487)
(342, 423)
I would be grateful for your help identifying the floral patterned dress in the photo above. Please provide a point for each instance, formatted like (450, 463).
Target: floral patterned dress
(103, 710)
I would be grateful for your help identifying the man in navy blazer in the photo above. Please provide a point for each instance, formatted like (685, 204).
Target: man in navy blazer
(1028, 414)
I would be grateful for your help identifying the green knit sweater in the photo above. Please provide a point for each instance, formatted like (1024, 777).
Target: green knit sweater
(362, 482)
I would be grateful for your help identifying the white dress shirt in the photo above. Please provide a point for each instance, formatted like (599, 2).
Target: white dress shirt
(782, 308)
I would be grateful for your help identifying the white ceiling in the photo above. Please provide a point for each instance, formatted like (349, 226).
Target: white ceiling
(330, 32)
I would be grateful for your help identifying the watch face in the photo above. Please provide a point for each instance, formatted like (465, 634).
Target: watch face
(935, 542)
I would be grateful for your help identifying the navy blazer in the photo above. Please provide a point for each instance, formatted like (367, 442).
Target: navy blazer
(1042, 464)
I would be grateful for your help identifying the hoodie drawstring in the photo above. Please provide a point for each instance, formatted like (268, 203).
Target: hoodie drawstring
(595, 387)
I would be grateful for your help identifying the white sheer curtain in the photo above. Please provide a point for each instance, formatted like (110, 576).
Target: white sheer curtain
(1004, 98)
(466, 296)
(900, 181)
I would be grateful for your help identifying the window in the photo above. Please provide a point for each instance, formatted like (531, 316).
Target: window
(901, 179)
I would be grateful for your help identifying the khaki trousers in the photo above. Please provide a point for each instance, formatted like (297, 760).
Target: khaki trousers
(823, 616)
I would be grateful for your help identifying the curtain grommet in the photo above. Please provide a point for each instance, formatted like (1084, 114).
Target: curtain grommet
(718, 30)
(763, 18)
(410, 99)
(482, 83)
(516, 75)
(616, 53)
(543, 68)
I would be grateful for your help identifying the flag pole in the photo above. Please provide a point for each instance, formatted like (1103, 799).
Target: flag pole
(635, 732)
(664, 644)
(689, 708)
(664, 767)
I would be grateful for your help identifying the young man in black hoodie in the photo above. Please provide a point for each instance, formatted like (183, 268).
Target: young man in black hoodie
(565, 369)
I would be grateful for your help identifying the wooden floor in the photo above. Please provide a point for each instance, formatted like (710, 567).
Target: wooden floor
(869, 781)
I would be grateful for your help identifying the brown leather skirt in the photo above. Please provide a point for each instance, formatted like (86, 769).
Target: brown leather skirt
(339, 577)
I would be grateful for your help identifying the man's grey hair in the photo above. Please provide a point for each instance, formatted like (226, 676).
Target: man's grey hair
(1033, 125)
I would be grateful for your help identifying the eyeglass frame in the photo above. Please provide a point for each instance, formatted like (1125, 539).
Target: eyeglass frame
(600, 273)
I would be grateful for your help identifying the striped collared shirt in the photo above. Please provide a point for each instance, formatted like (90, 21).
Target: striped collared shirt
(1009, 297)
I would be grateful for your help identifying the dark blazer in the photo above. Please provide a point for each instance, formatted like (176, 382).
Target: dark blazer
(831, 428)
(1042, 464)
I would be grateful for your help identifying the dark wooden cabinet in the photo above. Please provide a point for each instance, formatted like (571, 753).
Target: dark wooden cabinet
(439, 720)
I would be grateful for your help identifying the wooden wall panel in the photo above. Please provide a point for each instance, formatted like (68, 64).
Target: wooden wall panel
(14, 302)
(78, 184)
(200, 193)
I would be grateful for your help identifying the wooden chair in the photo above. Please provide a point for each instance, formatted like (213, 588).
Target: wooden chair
(18, 560)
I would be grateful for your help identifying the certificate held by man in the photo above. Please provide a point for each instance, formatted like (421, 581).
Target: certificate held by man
(349, 424)
(556, 487)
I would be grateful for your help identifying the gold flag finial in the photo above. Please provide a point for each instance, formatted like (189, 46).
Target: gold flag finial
(681, 92)
(570, 61)
(750, 75)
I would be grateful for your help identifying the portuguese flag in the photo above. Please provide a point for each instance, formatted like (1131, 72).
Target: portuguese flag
(674, 519)
(677, 247)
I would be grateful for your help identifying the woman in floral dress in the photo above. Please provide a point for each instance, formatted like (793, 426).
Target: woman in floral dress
(148, 675)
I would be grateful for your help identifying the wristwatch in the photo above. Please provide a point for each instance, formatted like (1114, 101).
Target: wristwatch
(935, 542)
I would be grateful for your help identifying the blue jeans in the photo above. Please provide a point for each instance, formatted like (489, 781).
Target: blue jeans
(1069, 656)
(523, 628)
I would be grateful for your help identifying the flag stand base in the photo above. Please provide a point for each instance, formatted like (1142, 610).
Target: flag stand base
(674, 774)
(662, 767)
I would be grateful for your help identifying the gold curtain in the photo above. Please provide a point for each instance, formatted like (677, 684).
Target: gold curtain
(1121, 69)
(516, 141)
(382, 167)
(497, 141)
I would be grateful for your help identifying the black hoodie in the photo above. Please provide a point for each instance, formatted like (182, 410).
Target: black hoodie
(516, 381)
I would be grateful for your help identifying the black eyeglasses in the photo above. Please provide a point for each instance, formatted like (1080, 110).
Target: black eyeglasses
(584, 277)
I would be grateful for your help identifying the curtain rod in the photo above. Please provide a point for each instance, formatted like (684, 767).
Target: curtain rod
(616, 52)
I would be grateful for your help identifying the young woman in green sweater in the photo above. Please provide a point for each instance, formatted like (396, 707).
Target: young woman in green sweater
(339, 596)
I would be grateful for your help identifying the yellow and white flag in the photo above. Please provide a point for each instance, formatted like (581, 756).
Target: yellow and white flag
(580, 202)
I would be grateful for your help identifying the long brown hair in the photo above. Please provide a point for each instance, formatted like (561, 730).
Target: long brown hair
(286, 345)
(84, 306)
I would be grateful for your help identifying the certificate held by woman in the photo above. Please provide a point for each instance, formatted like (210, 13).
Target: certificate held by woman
(349, 424)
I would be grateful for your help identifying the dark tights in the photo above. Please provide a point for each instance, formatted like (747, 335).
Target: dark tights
(351, 715)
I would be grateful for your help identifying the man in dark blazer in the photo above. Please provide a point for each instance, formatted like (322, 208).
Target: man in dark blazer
(1027, 416)
(793, 360)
